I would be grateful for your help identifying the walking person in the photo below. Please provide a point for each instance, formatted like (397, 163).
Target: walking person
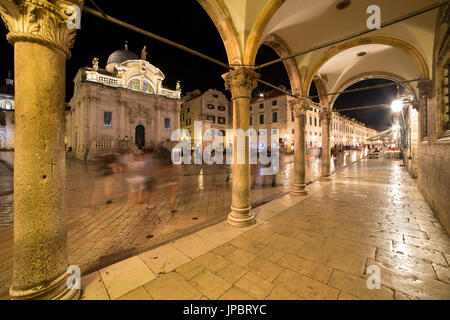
(171, 183)
(135, 179)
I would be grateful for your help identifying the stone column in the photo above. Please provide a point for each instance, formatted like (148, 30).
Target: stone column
(325, 117)
(299, 107)
(42, 42)
(241, 82)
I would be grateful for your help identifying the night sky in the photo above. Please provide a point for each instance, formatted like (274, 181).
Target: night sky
(187, 23)
(378, 118)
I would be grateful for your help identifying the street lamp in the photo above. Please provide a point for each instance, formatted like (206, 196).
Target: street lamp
(397, 105)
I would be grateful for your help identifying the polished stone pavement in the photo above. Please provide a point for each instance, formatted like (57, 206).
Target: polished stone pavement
(100, 233)
(321, 246)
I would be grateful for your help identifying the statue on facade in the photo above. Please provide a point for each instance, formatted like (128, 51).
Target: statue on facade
(178, 88)
(95, 64)
(144, 53)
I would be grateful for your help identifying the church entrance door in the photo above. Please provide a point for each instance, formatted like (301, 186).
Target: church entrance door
(140, 136)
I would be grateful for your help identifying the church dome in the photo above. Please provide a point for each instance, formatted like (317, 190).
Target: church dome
(119, 56)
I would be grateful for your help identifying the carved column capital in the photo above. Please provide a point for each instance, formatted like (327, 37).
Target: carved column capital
(299, 106)
(425, 88)
(325, 115)
(241, 82)
(49, 23)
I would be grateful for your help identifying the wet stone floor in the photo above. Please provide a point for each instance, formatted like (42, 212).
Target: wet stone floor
(370, 216)
(106, 223)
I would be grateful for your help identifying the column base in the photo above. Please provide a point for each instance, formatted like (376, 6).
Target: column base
(299, 190)
(55, 290)
(241, 217)
(326, 177)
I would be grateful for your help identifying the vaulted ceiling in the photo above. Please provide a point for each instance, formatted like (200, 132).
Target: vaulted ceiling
(404, 49)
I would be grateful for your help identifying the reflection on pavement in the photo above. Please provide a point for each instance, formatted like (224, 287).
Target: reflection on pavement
(109, 217)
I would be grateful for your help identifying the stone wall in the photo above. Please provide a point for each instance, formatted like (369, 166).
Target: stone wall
(434, 178)
(434, 145)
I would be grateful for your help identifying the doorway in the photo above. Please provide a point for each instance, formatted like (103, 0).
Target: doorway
(140, 136)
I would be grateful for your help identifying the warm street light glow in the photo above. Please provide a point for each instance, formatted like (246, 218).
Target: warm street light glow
(397, 105)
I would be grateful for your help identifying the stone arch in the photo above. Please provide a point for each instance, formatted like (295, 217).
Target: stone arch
(320, 82)
(254, 38)
(372, 75)
(221, 17)
(282, 49)
(396, 43)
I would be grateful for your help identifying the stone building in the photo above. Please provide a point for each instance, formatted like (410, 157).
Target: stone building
(210, 107)
(433, 121)
(7, 114)
(271, 111)
(124, 101)
(349, 132)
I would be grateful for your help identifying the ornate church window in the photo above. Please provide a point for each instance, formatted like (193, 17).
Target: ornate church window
(147, 87)
(135, 84)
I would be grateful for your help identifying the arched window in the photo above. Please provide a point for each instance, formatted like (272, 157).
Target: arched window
(144, 85)
(134, 84)
(147, 87)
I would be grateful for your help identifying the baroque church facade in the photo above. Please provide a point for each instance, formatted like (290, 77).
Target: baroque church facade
(120, 106)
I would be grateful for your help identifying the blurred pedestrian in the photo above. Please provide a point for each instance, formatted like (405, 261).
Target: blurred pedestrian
(135, 179)
(108, 168)
(170, 183)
